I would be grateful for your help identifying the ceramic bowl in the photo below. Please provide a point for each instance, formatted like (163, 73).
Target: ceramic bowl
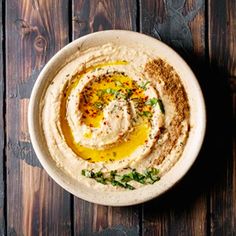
(197, 109)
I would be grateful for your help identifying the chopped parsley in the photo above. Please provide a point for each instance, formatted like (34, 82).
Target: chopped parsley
(125, 95)
(150, 176)
(152, 101)
(98, 105)
(121, 184)
(98, 176)
(146, 113)
(144, 85)
(110, 91)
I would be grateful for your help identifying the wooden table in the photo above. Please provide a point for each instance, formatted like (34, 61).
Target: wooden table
(203, 32)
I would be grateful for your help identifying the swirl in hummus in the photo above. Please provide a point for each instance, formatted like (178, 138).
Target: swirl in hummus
(115, 109)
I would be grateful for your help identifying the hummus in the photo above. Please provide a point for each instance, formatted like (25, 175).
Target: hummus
(112, 111)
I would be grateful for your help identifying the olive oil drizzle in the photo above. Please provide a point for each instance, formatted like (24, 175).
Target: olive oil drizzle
(136, 138)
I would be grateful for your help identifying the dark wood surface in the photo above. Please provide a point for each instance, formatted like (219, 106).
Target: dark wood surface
(203, 32)
(2, 185)
(35, 204)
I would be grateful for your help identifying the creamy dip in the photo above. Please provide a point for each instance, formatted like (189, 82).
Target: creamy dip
(115, 110)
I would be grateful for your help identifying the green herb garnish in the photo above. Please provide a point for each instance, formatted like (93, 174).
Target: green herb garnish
(146, 113)
(110, 91)
(98, 176)
(113, 174)
(150, 176)
(129, 186)
(87, 173)
(123, 185)
(101, 180)
(127, 177)
(138, 177)
(152, 101)
(144, 85)
(98, 105)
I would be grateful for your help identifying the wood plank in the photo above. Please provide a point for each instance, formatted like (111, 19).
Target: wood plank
(95, 15)
(91, 16)
(222, 43)
(180, 24)
(233, 219)
(35, 30)
(222, 35)
(2, 133)
(96, 219)
(222, 173)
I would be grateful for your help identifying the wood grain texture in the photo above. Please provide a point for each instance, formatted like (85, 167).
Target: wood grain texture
(35, 31)
(233, 220)
(179, 24)
(91, 16)
(222, 35)
(2, 133)
(182, 210)
(93, 219)
(222, 156)
(222, 44)
(204, 202)
(95, 15)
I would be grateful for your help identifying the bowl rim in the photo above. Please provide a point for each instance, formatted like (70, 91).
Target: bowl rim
(33, 130)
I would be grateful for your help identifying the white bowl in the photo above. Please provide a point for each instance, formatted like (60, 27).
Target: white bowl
(197, 119)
